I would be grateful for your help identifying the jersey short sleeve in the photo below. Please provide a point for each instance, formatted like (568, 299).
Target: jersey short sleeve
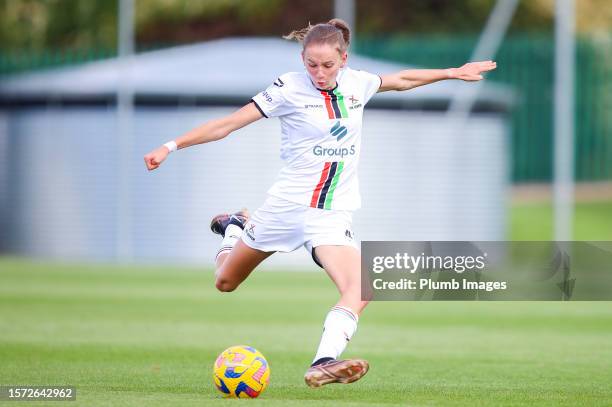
(272, 102)
(371, 83)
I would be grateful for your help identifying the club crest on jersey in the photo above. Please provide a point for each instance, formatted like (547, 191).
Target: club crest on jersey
(355, 104)
(250, 231)
(338, 131)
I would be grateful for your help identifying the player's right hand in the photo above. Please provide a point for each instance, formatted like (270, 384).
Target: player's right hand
(156, 157)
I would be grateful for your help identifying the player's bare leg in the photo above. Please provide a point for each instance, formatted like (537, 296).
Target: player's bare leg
(235, 260)
(237, 265)
(343, 265)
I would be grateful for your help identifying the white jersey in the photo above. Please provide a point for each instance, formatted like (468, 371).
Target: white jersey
(320, 137)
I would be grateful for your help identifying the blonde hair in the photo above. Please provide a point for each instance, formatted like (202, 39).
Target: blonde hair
(335, 32)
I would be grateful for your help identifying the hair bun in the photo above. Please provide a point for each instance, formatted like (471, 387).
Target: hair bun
(343, 27)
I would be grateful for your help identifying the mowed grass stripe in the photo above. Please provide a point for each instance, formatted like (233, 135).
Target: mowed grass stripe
(148, 336)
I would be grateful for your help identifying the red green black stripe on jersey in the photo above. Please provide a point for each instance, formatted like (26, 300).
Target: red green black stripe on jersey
(334, 102)
(323, 193)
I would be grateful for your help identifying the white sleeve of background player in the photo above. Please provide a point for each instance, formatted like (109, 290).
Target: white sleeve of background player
(272, 102)
(371, 84)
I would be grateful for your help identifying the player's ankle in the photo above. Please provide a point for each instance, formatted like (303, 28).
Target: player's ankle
(321, 361)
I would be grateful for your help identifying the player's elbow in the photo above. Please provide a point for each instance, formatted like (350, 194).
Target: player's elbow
(220, 133)
(217, 129)
(405, 85)
(225, 286)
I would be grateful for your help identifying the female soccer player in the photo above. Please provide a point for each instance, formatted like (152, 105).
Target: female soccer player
(312, 202)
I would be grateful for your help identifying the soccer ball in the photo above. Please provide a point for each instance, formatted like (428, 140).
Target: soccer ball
(242, 372)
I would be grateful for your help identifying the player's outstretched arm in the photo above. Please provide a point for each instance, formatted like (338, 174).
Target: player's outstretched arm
(209, 131)
(411, 78)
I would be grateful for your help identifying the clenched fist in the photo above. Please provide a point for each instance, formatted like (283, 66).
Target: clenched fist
(156, 157)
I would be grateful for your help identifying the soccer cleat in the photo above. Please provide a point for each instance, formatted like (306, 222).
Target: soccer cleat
(336, 371)
(220, 222)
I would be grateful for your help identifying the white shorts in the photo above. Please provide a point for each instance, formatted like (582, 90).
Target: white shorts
(283, 226)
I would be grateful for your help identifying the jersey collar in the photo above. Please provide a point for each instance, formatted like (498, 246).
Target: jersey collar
(325, 90)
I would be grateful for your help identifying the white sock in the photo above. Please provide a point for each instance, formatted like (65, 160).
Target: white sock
(338, 329)
(232, 235)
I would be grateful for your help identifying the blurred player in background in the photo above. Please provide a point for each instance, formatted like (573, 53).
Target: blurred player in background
(312, 202)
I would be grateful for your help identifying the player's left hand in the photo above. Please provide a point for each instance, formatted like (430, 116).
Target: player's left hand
(472, 71)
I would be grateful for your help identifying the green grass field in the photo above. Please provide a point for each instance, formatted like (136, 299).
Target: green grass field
(149, 336)
(534, 221)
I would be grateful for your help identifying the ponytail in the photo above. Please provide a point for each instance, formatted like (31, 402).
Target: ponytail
(335, 32)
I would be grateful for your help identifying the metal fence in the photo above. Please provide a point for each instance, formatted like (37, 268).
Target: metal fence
(524, 61)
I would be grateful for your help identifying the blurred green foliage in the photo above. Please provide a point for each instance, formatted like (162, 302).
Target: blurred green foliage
(40, 24)
(443, 16)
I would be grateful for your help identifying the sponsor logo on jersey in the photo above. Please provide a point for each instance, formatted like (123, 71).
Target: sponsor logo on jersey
(348, 234)
(313, 106)
(338, 131)
(266, 96)
(278, 82)
(321, 151)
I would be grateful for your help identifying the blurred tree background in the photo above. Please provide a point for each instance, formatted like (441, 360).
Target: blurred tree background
(53, 24)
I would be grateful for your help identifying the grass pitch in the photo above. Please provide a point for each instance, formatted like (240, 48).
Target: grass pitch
(149, 336)
(534, 221)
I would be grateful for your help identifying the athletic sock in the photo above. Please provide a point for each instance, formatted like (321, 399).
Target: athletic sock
(232, 235)
(338, 329)
(321, 361)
